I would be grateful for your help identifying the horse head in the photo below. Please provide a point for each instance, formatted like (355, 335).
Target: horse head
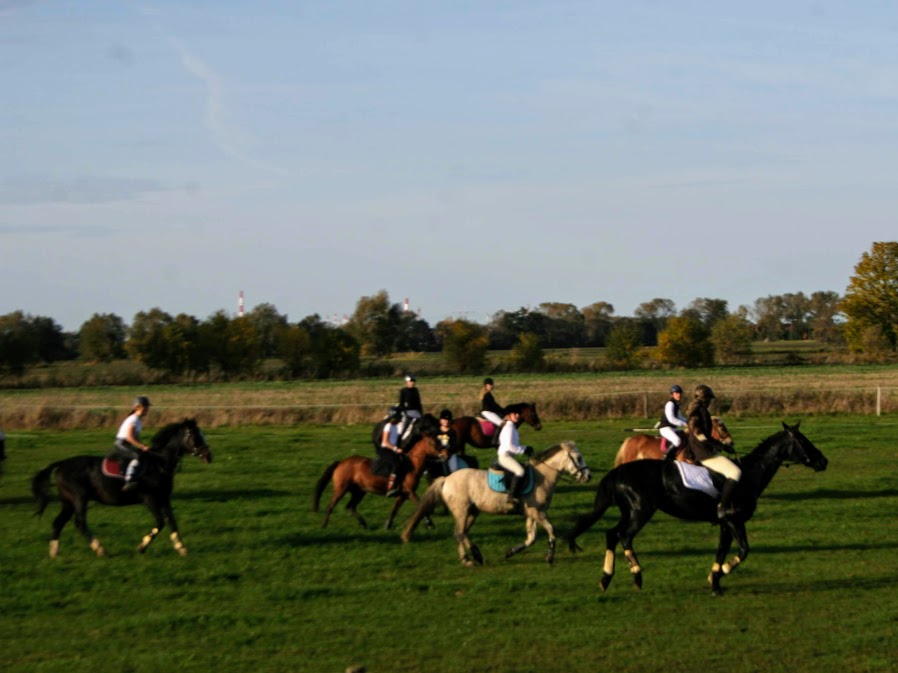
(528, 414)
(802, 450)
(721, 431)
(566, 457)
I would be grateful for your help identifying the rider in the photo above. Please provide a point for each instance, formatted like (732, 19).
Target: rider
(127, 440)
(706, 449)
(409, 406)
(671, 419)
(448, 439)
(509, 447)
(389, 450)
(490, 409)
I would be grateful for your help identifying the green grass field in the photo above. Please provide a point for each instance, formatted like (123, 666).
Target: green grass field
(265, 588)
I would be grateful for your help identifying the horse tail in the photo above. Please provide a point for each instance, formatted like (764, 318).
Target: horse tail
(40, 488)
(429, 502)
(322, 484)
(604, 500)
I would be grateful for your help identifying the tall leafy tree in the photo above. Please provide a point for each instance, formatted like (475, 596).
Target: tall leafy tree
(624, 342)
(102, 338)
(709, 311)
(18, 347)
(565, 326)
(465, 344)
(333, 349)
(653, 316)
(871, 298)
(148, 340)
(598, 319)
(685, 342)
(731, 338)
(266, 321)
(375, 324)
(527, 354)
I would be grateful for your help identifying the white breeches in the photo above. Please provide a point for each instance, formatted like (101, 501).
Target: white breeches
(492, 417)
(508, 461)
(670, 434)
(724, 466)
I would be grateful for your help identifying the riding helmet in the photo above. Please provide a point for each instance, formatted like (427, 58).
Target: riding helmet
(675, 389)
(394, 412)
(704, 393)
(409, 377)
(445, 413)
(142, 401)
(488, 381)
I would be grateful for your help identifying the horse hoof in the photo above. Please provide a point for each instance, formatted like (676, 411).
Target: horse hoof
(183, 551)
(637, 580)
(550, 558)
(604, 582)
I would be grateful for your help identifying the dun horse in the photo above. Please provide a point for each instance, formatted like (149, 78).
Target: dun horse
(81, 479)
(469, 430)
(466, 493)
(641, 488)
(355, 475)
(642, 446)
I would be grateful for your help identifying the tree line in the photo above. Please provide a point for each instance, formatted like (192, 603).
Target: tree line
(703, 333)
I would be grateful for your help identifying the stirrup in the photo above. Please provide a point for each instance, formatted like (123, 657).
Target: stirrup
(129, 486)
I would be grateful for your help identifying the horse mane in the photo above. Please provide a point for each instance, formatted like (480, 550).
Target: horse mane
(164, 436)
(543, 456)
(517, 407)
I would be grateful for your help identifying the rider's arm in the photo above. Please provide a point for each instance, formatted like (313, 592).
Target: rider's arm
(672, 418)
(385, 440)
(133, 440)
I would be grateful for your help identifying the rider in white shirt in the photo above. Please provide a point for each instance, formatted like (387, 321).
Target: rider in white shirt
(509, 447)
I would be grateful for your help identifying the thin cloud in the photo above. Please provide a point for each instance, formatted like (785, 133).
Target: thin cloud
(37, 190)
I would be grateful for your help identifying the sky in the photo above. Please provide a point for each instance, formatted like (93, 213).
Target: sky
(471, 156)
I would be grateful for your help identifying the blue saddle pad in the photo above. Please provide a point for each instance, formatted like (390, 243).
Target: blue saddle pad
(496, 481)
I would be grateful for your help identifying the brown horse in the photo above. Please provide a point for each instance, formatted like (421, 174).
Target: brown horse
(640, 447)
(354, 474)
(469, 431)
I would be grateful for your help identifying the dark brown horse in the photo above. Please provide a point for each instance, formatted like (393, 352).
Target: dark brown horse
(355, 475)
(642, 446)
(470, 431)
(81, 479)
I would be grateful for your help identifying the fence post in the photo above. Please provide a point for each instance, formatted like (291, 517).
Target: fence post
(645, 405)
(879, 400)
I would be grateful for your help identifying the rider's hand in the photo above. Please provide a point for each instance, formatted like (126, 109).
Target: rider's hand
(528, 451)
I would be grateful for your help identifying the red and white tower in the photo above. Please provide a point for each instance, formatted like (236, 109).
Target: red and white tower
(240, 305)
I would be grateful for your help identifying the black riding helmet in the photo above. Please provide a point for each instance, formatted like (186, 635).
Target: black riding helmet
(704, 393)
(394, 412)
(142, 401)
(445, 413)
(488, 381)
(675, 389)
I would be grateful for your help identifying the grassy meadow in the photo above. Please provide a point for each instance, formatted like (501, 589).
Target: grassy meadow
(265, 588)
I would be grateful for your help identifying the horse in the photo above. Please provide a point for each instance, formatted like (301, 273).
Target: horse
(355, 475)
(81, 479)
(469, 430)
(466, 493)
(642, 487)
(642, 446)
(434, 466)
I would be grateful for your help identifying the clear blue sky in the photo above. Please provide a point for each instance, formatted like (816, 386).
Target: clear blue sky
(471, 155)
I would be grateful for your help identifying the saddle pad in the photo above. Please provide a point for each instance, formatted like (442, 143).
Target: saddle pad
(488, 427)
(496, 480)
(697, 478)
(112, 468)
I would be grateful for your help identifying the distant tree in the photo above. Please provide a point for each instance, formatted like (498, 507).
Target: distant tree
(148, 340)
(294, 347)
(465, 345)
(18, 347)
(624, 342)
(505, 326)
(565, 326)
(731, 338)
(768, 313)
(685, 342)
(102, 338)
(186, 352)
(708, 311)
(825, 317)
(527, 354)
(50, 341)
(653, 316)
(414, 335)
(871, 299)
(375, 324)
(266, 321)
(333, 350)
(232, 344)
(598, 320)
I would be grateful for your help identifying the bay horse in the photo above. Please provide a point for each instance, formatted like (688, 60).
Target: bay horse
(469, 430)
(643, 446)
(81, 479)
(355, 476)
(466, 493)
(641, 488)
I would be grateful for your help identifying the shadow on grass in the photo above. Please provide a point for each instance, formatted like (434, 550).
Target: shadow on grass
(829, 494)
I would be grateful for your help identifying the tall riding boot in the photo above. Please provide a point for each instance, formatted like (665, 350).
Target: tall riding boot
(725, 506)
(392, 489)
(513, 483)
(496, 432)
(672, 452)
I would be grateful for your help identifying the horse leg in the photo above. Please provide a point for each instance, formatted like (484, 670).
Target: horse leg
(428, 522)
(156, 511)
(356, 495)
(728, 531)
(468, 553)
(81, 525)
(339, 492)
(634, 523)
(401, 498)
(68, 509)
(531, 537)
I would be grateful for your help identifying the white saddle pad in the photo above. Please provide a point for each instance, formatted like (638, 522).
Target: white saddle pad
(697, 477)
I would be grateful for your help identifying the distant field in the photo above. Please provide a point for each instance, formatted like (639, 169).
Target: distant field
(808, 389)
(265, 589)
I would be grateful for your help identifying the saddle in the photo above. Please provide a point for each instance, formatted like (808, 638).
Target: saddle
(488, 427)
(497, 479)
(112, 467)
(666, 445)
(697, 478)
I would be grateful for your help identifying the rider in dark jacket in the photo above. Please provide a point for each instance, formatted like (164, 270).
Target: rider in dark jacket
(707, 450)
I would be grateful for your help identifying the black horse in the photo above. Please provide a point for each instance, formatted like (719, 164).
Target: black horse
(642, 487)
(81, 479)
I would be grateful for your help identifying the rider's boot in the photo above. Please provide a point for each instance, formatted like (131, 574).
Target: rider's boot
(725, 506)
(392, 488)
(130, 481)
(672, 452)
(513, 483)
(496, 432)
